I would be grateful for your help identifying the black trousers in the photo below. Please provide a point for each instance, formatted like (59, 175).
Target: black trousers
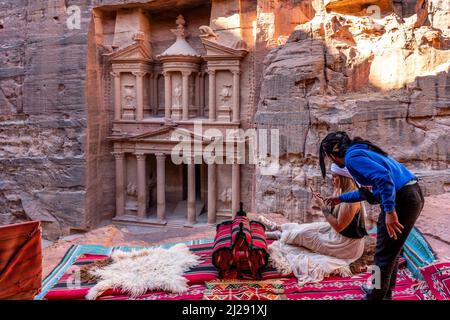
(409, 203)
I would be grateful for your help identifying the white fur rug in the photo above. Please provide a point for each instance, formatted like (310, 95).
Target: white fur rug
(138, 271)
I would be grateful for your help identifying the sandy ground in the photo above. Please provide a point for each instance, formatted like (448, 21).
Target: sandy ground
(434, 222)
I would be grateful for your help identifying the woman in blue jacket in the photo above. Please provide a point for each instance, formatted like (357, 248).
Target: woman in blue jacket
(386, 182)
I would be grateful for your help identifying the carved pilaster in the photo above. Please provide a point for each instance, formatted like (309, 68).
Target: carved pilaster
(120, 182)
(117, 96)
(167, 94)
(160, 186)
(141, 185)
(139, 94)
(236, 95)
(212, 95)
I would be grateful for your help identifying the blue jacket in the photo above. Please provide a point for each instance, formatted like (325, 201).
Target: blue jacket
(369, 168)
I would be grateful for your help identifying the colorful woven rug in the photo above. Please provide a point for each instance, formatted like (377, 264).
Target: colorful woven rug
(77, 251)
(333, 288)
(274, 289)
(349, 288)
(437, 276)
(417, 252)
(64, 281)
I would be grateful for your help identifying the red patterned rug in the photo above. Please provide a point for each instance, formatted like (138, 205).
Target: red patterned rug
(437, 276)
(204, 284)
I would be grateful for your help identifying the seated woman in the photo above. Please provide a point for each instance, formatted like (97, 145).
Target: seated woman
(342, 236)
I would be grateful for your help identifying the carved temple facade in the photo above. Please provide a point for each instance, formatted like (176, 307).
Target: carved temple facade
(156, 95)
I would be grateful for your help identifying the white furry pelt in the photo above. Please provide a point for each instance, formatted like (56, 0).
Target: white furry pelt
(138, 271)
(313, 251)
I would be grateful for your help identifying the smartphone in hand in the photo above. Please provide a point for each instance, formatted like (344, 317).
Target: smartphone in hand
(315, 194)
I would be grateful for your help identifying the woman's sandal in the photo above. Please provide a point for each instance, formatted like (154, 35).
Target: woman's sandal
(270, 225)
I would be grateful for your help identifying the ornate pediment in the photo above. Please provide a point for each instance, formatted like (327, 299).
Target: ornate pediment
(169, 134)
(136, 52)
(215, 49)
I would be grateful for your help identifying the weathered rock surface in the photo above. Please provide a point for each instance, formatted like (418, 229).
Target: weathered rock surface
(42, 116)
(385, 80)
(434, 223)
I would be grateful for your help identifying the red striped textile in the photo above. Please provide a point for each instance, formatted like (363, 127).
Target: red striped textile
(240, 245)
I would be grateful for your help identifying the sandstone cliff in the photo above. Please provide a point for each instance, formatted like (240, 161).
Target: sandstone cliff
(382, 77)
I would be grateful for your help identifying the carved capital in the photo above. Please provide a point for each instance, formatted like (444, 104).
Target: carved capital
(166, 74)
(115, 74)
(139, 73)
(160, 156)
(186, 73)
(118, 155)
(211, 72)
(236, 72)
(140, 156)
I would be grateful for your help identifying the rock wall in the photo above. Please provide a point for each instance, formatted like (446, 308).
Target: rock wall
(385, 79)
(42, 116)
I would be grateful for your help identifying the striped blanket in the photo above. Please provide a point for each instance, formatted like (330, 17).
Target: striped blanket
(240, 246)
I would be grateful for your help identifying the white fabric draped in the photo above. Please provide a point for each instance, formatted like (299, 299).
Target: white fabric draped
(313, 251)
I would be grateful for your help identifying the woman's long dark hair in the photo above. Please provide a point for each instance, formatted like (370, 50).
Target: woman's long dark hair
(336, 143)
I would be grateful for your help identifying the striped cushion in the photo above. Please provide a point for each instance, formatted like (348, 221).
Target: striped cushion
(240, 245)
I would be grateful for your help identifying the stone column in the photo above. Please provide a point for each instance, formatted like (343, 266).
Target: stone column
(139, 95)
(235, 188)
(201, 94)
(212, 193)
(141, 185)
(197, 93)
(167, 94)
(191, 214)
(117, 96)
(236, 95)
(161, 186)
(212, 95)
(120, 183)
(151, 94)
(155, 94)
(185, 102)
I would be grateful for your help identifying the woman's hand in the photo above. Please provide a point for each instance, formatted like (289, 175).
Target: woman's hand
(393, 226)
(332, 202)
(318, 200)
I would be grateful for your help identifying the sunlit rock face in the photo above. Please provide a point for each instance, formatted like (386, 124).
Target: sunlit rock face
(384, 79)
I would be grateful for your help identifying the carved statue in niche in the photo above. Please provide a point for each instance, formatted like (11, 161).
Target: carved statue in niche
(177, 92)
(224, 109)
(132, 190)
(132, 196)
(225, 93)
(129, 96)
(129, 103)
(225, 195)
